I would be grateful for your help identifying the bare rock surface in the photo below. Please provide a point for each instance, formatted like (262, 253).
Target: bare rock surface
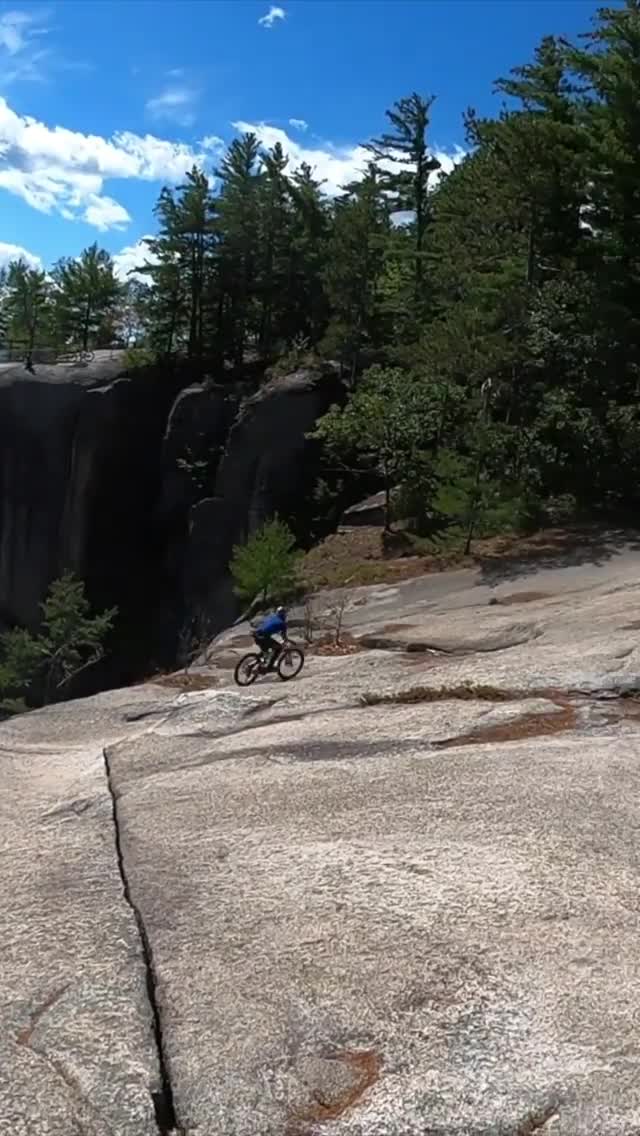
(77, 1050)
(399, 895)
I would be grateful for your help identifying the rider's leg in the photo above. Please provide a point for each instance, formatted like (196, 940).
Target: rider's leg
(274, 651)
(263, 643)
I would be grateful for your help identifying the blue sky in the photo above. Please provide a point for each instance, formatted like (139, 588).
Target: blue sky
(103, 101)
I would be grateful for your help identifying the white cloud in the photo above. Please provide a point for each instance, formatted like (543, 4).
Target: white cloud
(174, 104)
(133, 257)
(9, 252)
(212, 142)
(299, 124)
(335, 166)
(449, 159)
(105, 213)
(274, 13)
(56, 170)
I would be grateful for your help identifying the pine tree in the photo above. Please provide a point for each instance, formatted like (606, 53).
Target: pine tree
(86, 294)
(70, 640)
(609, 68)
(26, 306)
(239, 205)
(355, 262)
(540, 148)
(183, 253)
(407, 166)
(196, 220)
(273, 245)
(304, 302)
(264, 568)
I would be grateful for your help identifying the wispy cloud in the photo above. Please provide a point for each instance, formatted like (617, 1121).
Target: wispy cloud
(21, 55)
(62, 171)
(174, 104)
(16, 30)
(299, 124)
(269, 19)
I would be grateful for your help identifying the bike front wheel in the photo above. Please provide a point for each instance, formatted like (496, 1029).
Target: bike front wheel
(290, 663)
(248, 669)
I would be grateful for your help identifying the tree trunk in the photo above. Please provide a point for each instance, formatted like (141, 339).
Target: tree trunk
(387, 500)
(419, 233)
(85, 327)
(531, 249)
(473, 508)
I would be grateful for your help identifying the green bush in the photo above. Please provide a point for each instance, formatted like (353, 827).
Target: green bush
(41, 666)
(137, 357)
(265, 568)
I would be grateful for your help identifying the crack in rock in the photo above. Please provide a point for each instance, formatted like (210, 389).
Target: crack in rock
(162, 1098)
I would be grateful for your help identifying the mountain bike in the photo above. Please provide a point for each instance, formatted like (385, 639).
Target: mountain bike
(287, 664)
(76, 355)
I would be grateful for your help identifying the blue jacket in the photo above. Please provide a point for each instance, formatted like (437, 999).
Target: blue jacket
(273, 625)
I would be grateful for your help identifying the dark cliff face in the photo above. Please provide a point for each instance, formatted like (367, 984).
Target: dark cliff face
(269, 466)
(80, 461)
(111, 477)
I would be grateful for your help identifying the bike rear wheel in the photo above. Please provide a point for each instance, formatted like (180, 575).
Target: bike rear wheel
(248, 669)
(290, 663)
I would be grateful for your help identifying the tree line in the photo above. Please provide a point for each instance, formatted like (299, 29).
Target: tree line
(491, 340)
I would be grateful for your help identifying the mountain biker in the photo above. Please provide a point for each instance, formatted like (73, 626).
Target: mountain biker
(274, 624)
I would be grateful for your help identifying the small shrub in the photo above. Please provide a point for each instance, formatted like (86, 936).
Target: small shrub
(334, 619)
(42, 666)
(137, 357)
(265, 568)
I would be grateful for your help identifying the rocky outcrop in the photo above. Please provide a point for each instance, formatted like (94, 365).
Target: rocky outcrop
(79, 464)
(197, 428)
(269, 466)
(142, 488)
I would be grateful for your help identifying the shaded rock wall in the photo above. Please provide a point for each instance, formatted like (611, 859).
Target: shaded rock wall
(269, 466)
(80, 462)
(142, 490)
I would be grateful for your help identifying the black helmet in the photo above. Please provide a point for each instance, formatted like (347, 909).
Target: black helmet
(281, 610)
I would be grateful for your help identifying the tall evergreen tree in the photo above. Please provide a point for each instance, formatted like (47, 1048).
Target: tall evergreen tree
(305, 304)
(355, 262)
(183, 255)
(274, 235)
(407, 166)
(86, 294)
(609, 68)
(239, 205)
(26, 305)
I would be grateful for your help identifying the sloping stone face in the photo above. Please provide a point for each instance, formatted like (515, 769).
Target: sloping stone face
(289, 910)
